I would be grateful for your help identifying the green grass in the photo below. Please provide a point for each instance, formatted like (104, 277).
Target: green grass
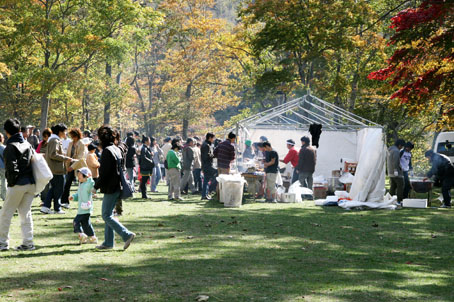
(260, 252)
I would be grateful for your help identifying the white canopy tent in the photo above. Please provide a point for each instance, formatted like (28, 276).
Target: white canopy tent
(345, 136)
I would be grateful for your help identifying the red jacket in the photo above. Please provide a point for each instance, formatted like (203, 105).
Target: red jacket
(292, 157)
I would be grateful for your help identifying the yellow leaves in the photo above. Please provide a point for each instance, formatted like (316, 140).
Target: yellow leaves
(4, 71)
(358, 41)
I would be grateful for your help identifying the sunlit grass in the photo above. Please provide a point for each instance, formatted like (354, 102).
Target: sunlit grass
(260, 252)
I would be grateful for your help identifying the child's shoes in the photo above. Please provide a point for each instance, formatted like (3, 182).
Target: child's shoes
(93, 240)
(82, 238)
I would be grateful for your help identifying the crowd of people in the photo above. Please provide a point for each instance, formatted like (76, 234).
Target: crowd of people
(400, 169)
(99, 160)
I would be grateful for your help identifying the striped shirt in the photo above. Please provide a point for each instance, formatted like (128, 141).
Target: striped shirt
(225, 153)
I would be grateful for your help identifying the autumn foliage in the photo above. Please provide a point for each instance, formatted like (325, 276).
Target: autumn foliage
(422, 66)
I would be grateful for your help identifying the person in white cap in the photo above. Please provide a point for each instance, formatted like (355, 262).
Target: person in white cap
(84, 197)
(292, 157)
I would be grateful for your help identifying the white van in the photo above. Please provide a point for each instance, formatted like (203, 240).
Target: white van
(444, 144)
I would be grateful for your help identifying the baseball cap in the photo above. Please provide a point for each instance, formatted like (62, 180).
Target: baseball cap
(85, 172)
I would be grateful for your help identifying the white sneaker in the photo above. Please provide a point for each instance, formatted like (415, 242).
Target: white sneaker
(66, 205)
(83, 238)
(46, 210)
(59, 212)
(4, 247)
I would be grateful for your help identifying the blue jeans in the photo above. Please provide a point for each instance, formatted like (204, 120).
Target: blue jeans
(57, 184)
(197, 173)
(112, 225)
(295, 176)
(208, 175)
(156, 178)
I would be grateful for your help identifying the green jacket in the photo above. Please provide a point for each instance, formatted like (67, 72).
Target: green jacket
(173, 160)
(84, 197)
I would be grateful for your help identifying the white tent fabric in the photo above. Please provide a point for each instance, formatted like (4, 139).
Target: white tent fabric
(333, 146)
(369, 182)
(345, 136)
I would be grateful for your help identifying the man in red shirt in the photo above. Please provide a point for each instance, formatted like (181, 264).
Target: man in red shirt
(292, 157)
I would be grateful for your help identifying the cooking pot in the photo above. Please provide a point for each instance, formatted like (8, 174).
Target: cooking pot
(421, 186)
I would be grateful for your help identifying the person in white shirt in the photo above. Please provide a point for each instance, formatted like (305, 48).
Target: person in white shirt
(407, 168)
(165, 149)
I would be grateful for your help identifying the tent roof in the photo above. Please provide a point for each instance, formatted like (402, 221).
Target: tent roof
(304, 111)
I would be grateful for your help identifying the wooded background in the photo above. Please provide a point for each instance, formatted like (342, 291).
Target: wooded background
(184, 67)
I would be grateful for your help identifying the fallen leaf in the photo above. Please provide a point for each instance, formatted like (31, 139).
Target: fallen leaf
(201, 298)
(60, 289)
(409, 262)
(103, 279)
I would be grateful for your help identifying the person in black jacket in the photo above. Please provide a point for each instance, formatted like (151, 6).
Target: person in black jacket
(209, 172)
(146, 165)
(131, 158)
(21, 187)
(443, 171)
(109, 183)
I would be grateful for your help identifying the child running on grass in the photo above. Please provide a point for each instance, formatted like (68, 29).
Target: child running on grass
(82, 224)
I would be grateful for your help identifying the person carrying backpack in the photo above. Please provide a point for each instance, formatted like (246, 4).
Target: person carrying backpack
(21, 187)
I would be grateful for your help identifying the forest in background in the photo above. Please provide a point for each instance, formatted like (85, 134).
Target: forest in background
(171, 67)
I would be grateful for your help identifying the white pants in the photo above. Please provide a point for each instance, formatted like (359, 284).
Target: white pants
(175, 181)
(18, 198)
(2, 184)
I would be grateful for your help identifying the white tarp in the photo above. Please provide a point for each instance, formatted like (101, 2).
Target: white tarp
(369, 182)
(333, 145)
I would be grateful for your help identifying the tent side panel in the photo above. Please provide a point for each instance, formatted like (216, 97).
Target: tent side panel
(333, 146)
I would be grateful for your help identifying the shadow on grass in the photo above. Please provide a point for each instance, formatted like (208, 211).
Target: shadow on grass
(264, 254)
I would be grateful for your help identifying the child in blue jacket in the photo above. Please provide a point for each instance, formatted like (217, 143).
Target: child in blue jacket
(82, 224)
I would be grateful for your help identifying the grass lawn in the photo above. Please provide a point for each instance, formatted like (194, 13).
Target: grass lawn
(261, 252)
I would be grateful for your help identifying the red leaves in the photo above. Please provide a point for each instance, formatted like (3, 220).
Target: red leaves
(420, 66)
(428, 11)
(381, 74)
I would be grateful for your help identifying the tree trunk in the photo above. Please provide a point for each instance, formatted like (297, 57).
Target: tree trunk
(44, 111)
(85, 103)
(107, 103)
(185, 128)
(188, 110)
(118, 81)
(150, 125)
